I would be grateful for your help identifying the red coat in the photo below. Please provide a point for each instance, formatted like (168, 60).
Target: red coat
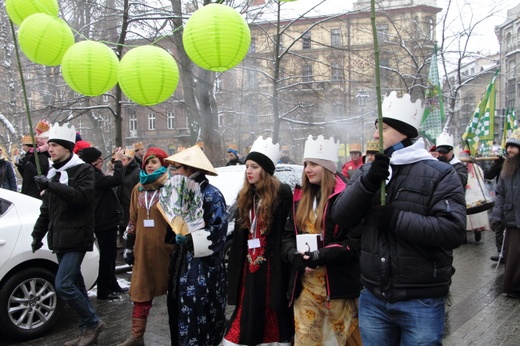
(351, 166)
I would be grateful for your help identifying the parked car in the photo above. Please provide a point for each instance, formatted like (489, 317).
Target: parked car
(29, 305)
(230, 180)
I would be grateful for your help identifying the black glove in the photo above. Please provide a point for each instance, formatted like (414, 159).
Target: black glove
(378, 171)
(41, 182)
(314, 259)
(442, 159)
(386, 217)
(128, 255)
(298, 263)
(496, 226)
(36, 244)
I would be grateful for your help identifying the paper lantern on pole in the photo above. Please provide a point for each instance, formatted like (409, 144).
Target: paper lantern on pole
(148, 75)
(45, 39)
(216, 37)
(18, 10)
(90, 68)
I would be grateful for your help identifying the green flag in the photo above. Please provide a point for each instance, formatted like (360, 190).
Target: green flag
(509, 125)
(433, 116)
(482, 125)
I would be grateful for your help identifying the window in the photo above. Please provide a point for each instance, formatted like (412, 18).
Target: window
(220, 119)
(151, 121)
(133, 122)
(306, 40)
(511, 69)
(307, 73)
(430, 30)
(335, 38)
(336, 72)
(217, 85)
(252, 46)
(252, 81)
(105, 98)
(382, 33)
(384, 64)
(337, 110)
(170, 121)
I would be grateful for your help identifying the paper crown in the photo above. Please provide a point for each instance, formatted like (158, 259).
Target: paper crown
(267, 147)
(138, 145)
(42, 126)
(27, 140)
(355, 147)
(321, 148)
(65, 132)
(514, 139)
(194, 157)
(129, 153)
(403, 109)
(372, 145)
(232, 146)
(444, 139)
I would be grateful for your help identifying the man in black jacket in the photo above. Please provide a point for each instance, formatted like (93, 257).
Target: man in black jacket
(406, 243)
(67, 218)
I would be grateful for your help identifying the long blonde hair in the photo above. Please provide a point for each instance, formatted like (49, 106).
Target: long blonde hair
(265, 189)
(309, 193)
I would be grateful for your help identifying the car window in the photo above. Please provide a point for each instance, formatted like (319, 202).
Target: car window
(4, 206)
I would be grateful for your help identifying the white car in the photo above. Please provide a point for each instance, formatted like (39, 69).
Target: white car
(29, 305)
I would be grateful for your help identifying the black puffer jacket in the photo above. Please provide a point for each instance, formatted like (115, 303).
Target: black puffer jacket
(67, 212)
(339, 252)
(414, 258)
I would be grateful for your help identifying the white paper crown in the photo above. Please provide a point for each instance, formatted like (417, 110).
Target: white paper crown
(266, 147)
(64, 132)
(321, 148)
(444, 139)
(403, 109)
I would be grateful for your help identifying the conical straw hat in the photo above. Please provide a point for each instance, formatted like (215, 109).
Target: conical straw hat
(193, 157)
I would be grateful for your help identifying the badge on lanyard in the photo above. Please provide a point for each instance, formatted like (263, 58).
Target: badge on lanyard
(253, 243)
(149, 223)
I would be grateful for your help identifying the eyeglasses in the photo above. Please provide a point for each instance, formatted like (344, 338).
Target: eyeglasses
(175, 168)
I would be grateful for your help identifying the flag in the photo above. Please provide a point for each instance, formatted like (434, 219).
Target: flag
(433, 116)
(509, 125)
(482, 124)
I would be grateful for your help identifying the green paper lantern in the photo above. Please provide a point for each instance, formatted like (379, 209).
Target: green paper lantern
(45, 39)
(18, 10)
(216, 37)
(90, 68)
(148, 75)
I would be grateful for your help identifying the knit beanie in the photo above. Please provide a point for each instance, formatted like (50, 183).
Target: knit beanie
(263, 160)
(90, 155)
(66, 144)
(155, 152)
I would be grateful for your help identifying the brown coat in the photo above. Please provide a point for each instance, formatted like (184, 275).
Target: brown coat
(152, 254)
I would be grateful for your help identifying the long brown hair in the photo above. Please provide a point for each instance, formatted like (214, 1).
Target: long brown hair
(311, 191)
(265, 189)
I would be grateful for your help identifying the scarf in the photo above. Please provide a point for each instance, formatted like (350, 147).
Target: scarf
(61, 167)
(154, 180)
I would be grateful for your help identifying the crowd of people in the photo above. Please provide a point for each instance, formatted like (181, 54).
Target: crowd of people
(351, 256)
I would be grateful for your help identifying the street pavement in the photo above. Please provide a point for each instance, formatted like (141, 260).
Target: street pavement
(477, 312)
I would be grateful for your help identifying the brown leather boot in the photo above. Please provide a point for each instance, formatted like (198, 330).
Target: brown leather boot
(74, 342)
(91, 335)
(138, 329)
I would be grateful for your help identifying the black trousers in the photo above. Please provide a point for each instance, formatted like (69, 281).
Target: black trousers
(107, 282)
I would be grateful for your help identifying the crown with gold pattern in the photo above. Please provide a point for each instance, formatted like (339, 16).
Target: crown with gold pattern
(321, 148)
(138, 145)
(42, 126)
(355, 147)
(27, 140)
(65, 132)
(372, 145)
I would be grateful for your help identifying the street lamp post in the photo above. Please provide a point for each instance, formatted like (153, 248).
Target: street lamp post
(361, 98)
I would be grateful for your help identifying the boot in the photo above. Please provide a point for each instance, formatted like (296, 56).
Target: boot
(74, 342)
(138, 329)
(91, 335)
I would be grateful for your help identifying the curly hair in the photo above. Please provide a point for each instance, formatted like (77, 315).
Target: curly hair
(265, 190)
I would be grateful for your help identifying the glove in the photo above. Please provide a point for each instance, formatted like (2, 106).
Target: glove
(386, 217)
(496, 226)
(298, 263)
(36, 244)
(314, 259)
(378, 171)
(41, 182)
(442, 159)
(128, 255)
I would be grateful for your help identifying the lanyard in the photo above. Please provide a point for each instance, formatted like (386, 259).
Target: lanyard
(253, 217)
(148, 203)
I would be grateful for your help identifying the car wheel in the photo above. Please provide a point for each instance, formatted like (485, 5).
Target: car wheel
(29, 304)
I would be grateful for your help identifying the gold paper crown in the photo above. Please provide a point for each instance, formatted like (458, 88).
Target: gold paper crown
(285, 147)
(267, 147)
(27, 140)
(138, 145)
(403, 109)
(65, 132)
(129, 153)
(42, 126)
(355, 147)
(321, 148)
(372, 145)
(232, 146)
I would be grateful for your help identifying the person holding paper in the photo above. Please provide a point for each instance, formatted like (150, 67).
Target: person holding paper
(257, 276)
(197, 277)
(145, 248)
(324, 282)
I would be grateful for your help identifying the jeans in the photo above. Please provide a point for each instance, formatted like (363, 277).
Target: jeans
(70, 287)
(410, 322)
